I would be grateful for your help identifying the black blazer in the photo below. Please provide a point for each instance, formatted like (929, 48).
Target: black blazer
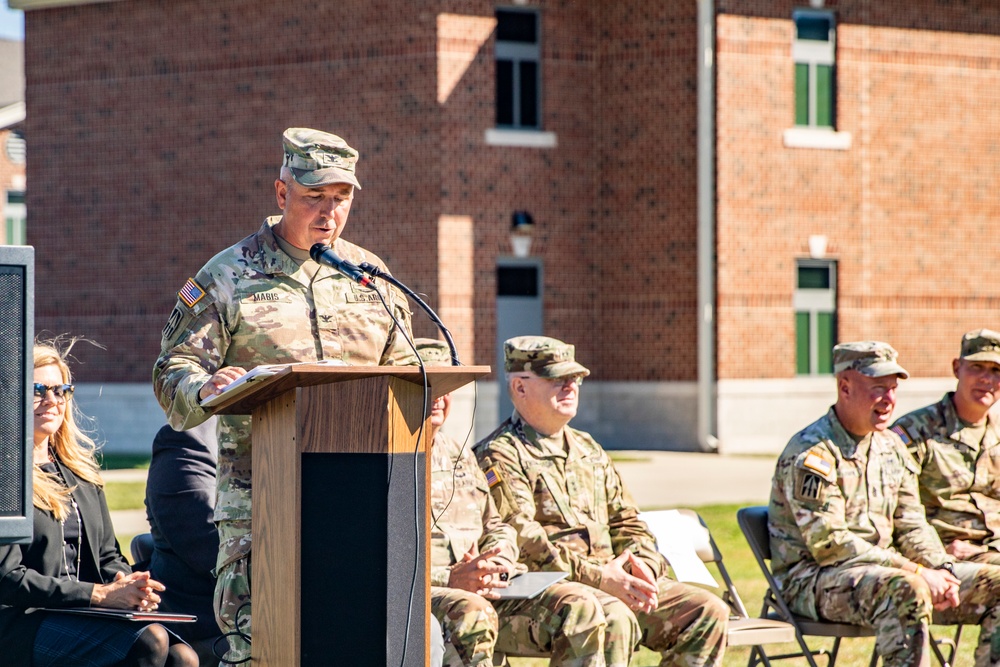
(29, 572)
(180, 507)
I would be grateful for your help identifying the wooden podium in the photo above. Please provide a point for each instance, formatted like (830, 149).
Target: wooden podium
(340, 495)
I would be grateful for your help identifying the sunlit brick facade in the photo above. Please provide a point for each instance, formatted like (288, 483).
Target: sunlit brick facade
(154, 140)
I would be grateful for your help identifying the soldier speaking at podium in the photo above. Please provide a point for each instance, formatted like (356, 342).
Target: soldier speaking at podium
(264, 301)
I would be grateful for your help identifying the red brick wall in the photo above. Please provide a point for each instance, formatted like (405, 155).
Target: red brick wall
(908, 209)
(646, 201)
(155, 131)
(155, 139)
(613, 204)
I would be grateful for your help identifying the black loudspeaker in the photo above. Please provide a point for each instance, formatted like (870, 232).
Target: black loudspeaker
(17, 332)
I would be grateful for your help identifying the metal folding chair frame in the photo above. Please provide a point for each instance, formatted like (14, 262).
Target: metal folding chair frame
(753, 524)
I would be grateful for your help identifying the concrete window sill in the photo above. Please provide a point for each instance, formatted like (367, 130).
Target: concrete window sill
(520, 138)
(817, 137)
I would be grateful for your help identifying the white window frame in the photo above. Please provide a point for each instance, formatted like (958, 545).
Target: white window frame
(813, 53)
(15, 218)
(815, 301)
(518, 52)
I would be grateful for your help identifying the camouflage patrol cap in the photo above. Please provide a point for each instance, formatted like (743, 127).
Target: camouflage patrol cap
(981, 345)
(319, 158)
(545, 357)
(433, 352)
(869, 357)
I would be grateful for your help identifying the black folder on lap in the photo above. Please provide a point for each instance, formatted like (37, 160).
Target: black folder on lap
(125, 614)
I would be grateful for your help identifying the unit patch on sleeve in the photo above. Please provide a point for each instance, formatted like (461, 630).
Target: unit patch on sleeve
(172, 323)
(809, 485)
(191, 293)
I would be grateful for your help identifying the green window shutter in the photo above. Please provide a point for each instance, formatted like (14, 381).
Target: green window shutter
(825, 323)
(801, 94)
(802, 343)
(824, 95)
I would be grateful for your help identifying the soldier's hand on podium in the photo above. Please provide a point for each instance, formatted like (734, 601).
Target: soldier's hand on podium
(218, 382)
(478, 573)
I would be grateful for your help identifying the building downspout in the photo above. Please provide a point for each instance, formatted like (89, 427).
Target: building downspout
(707, 441)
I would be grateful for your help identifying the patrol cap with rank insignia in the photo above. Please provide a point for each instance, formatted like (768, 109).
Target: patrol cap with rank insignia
(318, 158)
(433, 352)
(981, 345)
(545, 357)
(871, 358)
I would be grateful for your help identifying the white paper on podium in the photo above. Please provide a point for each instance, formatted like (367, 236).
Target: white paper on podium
(678, 537)
(262, 372)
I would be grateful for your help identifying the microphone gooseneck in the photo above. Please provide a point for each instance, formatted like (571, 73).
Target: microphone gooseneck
(376, 272)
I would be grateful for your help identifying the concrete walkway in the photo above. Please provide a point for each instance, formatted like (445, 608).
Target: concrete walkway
(655, 479)
(680, 479)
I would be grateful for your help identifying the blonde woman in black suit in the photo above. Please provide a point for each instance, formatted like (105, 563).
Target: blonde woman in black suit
(74, 559)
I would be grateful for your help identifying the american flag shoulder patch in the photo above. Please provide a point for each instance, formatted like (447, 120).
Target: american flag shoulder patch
(901, 432)
(191, 293)
(817, 463)
(492, 477)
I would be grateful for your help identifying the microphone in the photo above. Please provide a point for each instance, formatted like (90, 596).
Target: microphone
(324, 254)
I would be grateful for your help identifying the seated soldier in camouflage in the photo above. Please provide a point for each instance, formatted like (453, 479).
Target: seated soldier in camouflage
(561, 492)
(473, 552)
(956, 443)
(849, 540)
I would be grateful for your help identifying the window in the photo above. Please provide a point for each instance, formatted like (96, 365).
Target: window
(815, 304)
(15, 216)
(16, 148)
(814, 53)
(518, 69)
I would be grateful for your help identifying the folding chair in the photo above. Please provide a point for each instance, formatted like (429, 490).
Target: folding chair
(744, 630)
(142, 548)
(753, 523)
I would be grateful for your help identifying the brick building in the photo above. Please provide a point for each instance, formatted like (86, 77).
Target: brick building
(719, 190)
(12, 144)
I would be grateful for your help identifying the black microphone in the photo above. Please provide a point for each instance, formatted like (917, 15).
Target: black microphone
(324, 254)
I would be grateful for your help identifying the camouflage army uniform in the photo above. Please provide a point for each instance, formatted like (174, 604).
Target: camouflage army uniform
(565, 619)
(253, 304)
(844, 518)
(572, 513)
(959, 474)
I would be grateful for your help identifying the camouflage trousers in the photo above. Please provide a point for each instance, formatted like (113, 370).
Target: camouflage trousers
(232, 586)
(688, 628)
(564, 621)
(469, 624)
(990, 557)
(898, 605)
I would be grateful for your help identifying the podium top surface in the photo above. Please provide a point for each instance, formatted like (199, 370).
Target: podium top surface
(442, 380)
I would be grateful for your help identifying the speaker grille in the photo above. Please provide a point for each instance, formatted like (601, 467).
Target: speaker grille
(12, 391)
